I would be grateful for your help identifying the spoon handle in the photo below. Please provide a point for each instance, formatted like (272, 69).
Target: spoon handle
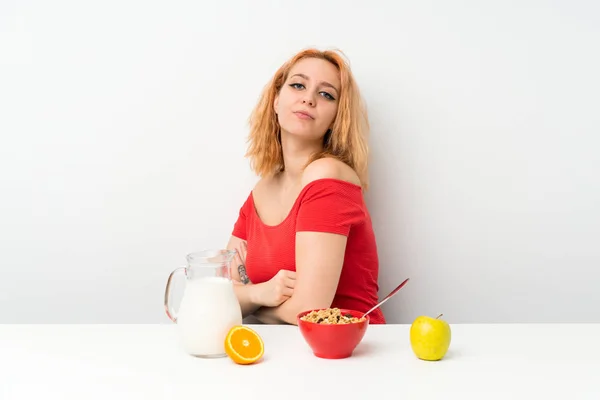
(393, 292)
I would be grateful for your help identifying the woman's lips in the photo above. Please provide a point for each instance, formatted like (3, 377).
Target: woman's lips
(303, 115)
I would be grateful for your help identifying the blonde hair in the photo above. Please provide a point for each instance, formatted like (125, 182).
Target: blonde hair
(347, 140)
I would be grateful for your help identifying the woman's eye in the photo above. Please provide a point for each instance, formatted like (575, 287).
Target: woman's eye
(327, 96)
(299, 86)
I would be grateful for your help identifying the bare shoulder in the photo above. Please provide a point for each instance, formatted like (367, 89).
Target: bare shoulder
(328, 167)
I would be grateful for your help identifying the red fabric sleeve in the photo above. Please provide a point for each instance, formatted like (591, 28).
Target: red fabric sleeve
(239, 228)
(330, 205)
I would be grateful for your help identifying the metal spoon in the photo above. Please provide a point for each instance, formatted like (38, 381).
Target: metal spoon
(393, 292)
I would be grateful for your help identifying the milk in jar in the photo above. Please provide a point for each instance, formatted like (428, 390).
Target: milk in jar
(208, 310)
(209, 307)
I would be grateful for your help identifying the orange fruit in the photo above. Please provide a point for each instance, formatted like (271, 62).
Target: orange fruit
(243, 345)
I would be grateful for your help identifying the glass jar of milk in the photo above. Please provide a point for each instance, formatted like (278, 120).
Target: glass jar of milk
(209, 307)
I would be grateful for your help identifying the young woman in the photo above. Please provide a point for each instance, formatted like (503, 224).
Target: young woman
(304, 236)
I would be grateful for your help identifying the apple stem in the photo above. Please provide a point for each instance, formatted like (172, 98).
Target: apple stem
(439, 316)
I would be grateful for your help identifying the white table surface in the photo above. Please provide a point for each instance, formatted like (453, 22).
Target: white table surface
(145, 362)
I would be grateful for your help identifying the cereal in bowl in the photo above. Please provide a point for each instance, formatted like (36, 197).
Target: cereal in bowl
(330, 316)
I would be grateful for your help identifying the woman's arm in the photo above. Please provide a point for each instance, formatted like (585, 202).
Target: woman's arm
(319, 260)
(243, 288)
(252, 296)
(319, 255)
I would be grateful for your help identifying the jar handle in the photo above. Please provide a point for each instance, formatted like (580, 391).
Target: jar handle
(168, 308)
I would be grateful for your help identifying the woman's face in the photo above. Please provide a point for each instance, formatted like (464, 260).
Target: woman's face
(308, 101)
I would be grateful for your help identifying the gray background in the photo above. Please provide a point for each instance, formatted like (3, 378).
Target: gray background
(123, 130)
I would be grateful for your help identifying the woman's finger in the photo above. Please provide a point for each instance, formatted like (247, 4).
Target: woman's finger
(235, 263)
(289, 283)
(238, 259)
(243, 252)
(290, 274)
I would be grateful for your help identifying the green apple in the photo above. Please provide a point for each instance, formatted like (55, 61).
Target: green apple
(430, 337)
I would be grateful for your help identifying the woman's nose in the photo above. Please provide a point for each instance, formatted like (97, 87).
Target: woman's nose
(308, 100)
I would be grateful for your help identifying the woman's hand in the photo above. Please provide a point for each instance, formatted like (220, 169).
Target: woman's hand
(239, 263)
(277, 290)
(267, 294)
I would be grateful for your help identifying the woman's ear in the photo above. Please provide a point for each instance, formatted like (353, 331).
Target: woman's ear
(276, 103)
